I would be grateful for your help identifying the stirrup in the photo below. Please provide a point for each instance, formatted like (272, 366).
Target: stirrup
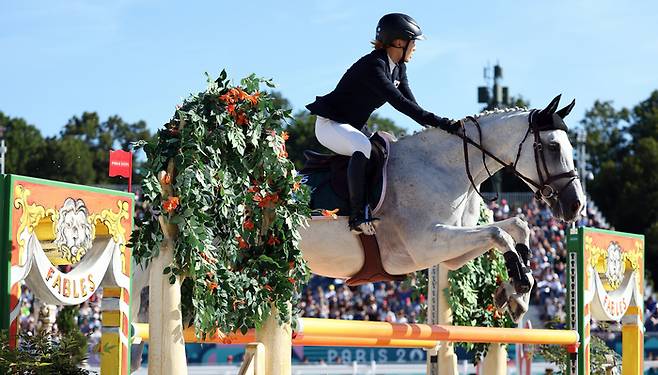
(363, 223)
(359, 226)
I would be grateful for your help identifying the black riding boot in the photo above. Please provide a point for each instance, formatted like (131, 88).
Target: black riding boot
(356, 182)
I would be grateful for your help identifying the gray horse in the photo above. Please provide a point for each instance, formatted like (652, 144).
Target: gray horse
(431, 207)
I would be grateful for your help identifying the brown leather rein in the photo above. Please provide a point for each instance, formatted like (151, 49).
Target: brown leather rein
(544, 187)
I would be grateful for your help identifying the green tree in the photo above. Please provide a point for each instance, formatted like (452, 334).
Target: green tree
(68, 160)
(22, 140)
(606, 139)
(79, 154)
(625, 186)
(101, 137)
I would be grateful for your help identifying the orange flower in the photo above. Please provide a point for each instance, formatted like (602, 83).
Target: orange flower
(296, 186)
(268, 201)
(497, 315)
(230, 109)
(285, 136)
(227, 98)
(242, 119)
(292, 280)
(241, 94)
(242, 243)
(283, 153)
(212, 286)
(268, 287)
(254, 98)
(248, 225)
(490, 307)
(273, 240)
(291, 265)
(330, 213)
(208, 258)
(253, 189)
(171, 204)
(166, 179)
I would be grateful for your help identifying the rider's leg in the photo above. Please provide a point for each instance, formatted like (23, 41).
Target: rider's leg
(346, 140)
(356, 181)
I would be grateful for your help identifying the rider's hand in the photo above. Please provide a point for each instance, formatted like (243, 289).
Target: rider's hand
(438, 122)
(456, 127)
(449, 125)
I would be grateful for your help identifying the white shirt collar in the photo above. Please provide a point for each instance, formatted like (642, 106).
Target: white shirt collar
(391, 64)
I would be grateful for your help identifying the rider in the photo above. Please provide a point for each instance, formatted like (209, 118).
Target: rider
(375, 79)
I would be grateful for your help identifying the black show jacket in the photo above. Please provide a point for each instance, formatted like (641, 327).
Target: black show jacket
(366, 86)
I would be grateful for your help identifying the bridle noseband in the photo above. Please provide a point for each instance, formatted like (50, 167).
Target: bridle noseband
(544, 188)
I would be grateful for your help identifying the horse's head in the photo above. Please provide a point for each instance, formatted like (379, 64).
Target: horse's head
(549, 162)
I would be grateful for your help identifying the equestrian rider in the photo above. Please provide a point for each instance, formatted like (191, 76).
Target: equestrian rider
(373, 80)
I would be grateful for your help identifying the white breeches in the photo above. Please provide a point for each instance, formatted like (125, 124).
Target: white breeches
(342, 139)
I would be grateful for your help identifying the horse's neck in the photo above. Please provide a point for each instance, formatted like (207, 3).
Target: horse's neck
(430, 167)
(501, 135)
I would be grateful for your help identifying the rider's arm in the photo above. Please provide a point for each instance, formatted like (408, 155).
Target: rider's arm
(404, 85)
(382, 86)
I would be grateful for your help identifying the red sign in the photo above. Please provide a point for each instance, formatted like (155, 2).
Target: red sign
(121, 163)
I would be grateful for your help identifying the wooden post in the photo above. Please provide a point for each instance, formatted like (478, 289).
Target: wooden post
(632, 342)
(495, 362)
(254, 360)
(166, 345)
(277, 340)
(439, 312)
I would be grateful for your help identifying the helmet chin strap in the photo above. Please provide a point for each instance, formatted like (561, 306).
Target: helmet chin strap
(404, 50)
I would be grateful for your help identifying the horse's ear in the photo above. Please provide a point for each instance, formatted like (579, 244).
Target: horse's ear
(566, 110)
(552, 107)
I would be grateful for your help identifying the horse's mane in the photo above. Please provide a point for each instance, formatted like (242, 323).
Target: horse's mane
(497, 111)
(480, 116)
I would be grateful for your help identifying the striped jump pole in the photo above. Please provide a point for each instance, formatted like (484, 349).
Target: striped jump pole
(324, 332)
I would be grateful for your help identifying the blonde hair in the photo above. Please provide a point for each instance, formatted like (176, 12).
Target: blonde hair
(377, 44)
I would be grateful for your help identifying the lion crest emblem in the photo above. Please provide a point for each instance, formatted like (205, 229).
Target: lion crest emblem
(615, 265)
(73, 234)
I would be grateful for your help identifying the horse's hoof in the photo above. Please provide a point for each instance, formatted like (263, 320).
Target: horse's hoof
(522, 286)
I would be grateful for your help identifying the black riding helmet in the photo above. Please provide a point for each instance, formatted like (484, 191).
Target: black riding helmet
(397, 26)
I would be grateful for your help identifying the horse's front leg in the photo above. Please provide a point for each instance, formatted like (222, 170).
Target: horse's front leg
(506, 296)
(464, 244)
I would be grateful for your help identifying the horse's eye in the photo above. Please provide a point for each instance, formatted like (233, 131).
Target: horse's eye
(554, 146)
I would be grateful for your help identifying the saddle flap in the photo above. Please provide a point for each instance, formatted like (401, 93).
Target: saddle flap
(333, 186)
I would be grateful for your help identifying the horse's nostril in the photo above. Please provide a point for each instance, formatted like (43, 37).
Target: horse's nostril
(575, 207)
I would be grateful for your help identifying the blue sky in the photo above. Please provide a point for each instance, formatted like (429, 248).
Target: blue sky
(139, 58)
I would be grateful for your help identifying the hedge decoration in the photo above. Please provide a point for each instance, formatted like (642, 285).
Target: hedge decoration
(237, 204)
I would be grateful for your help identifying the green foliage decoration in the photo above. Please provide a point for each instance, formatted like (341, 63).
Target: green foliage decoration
(41, 355)
(602, 357)
(237, 204)
(471, 290)
(67, 324)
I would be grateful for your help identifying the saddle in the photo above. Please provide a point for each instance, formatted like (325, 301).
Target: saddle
(326, 175)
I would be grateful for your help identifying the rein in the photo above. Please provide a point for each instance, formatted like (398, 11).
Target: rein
(544, 187)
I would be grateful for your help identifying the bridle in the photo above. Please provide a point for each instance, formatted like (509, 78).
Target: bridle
(544, 188)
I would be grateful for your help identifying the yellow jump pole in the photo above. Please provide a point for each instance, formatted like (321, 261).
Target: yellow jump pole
(380, 330)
